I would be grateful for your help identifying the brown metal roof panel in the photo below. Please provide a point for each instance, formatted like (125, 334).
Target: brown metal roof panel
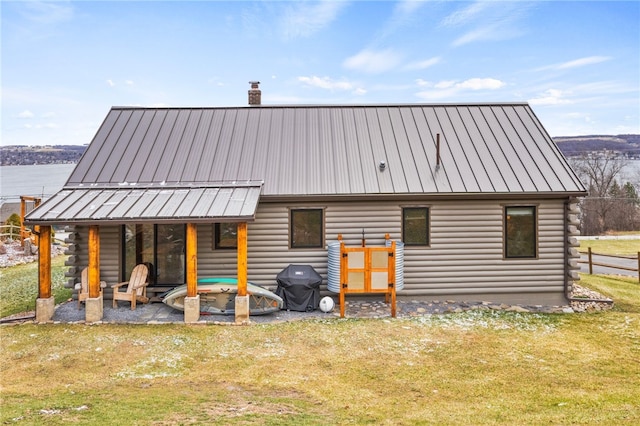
(221, 155)
(399, 155)
(415, 150)
(250, 204)
(390, 179)
(352, 174)
(429, 128)
(174, 202)
(530, 176)
(79, 173)
(553, 162)
(123, 209)
(250, 148)
(213, 202)
(336, 137)
(260, 155)
(275, 152)
(89, 209)
(158, 136)
(235, 202)
(504, 179)
(366, 162)
(195, 154)
(116, 146)
(51, 208)
(150, 149)
(473, 170)
(75, 203)
(104, 211)
(314, 175)
(153, 201)
(519, 180)
(235, 144)
(454, 157)
(488, 159)
(129, 158)
(172, 148)
(205, 164)
(184, 143)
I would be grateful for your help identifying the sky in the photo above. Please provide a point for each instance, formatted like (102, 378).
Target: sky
(64, 64)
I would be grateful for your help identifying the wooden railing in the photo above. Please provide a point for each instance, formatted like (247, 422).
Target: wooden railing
(591, 263)
(9, 232)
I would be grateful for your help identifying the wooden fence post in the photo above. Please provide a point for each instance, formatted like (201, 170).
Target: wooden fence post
(590, 261)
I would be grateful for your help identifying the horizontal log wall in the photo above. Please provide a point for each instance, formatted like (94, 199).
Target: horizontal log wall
(465, 258)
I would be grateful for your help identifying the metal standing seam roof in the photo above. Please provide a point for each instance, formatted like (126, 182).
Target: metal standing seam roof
(158, 205)
(318, 151)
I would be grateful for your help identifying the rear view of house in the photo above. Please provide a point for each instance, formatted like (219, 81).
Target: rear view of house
(480, 196)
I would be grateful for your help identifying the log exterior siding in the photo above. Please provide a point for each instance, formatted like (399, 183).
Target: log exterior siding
(464, 260)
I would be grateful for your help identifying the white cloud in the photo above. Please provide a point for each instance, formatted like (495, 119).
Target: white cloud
(551, 97)
(47, 12)
(374, 62)
(360, 91)
(25, 114)
(302, 19)
(421, 65)
(487, 21)
(450, 88)
(325, 83)
(481, 84)
(465, 15)
(128, 82)
(576, 63)
(111, 83)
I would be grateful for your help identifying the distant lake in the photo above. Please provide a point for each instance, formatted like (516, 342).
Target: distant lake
(42, 180)
(47, 179)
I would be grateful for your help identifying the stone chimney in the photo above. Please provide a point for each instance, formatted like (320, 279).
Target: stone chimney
(255, 94)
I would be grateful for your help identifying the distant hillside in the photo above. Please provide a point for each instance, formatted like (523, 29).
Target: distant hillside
(575, 145)
(23, 155)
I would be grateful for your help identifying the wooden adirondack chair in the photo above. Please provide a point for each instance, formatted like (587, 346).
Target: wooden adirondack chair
(83, 286)
(136, 287)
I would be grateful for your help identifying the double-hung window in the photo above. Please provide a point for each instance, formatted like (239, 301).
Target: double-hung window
(520, 232)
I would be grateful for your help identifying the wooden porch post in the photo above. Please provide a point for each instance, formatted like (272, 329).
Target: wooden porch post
(44, 263)
(242, 259)
(192, 260)
(45, 303)
(242, 298)
(94, 261)
(94, 308)
(192, 300)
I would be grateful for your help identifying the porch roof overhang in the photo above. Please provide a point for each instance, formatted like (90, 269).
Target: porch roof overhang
(224, 202)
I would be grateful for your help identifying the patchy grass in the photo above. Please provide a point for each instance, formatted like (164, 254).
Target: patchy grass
(471, 368)
(19, 286)
(613, 247)
(477, 367)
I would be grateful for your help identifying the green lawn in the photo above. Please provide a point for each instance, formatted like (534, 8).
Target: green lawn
(472, 368)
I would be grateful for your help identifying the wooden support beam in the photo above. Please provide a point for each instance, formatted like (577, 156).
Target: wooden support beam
(44, 263)
(192, 260)
(94, 261)
(242, 259)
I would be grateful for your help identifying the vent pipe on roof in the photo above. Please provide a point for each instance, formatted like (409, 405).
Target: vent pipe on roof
(255, 95)
(437, 151)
